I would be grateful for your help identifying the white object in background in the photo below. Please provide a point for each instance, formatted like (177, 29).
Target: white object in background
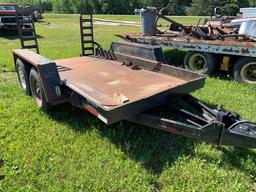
(241, 20)
(248, 12)
(248, 28)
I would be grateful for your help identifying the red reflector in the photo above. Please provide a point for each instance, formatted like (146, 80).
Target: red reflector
(91, 110)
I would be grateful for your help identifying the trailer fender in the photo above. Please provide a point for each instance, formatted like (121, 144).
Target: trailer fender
(48, 72)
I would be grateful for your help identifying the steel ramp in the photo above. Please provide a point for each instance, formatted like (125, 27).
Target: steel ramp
(27, 33)
(87, 38)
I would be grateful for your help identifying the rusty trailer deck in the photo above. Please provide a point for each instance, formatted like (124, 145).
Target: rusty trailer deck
(109, 84)
(110, 88)
(118, 90)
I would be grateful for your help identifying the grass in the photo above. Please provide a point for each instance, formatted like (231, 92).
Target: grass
(59, 37)
(67, 44)
(70, 150)
(190, 20)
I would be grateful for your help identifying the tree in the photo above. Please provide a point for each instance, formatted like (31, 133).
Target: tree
(178, 7)
(47, 6)
(62, 6)
(233, 6)
(95, 4)
(81, 6)
(175, 7)
(252, 3)
(206, 7)
(115, 7)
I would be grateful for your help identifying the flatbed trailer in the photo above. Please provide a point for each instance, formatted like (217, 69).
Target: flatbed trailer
(130, 82)
(205, 56)
(130, 88)
(115, 90)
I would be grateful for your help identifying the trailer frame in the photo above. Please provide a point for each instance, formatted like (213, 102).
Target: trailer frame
(157, 110)
(245, 49)
(213, 126)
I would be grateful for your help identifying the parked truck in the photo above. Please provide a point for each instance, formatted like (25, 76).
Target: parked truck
(8, 20)
(9, 13)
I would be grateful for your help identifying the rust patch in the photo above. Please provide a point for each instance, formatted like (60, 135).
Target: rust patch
(186, 39)
(100, 80)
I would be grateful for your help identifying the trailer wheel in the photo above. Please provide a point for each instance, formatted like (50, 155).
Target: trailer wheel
(37, 90)
(200, 62)
(244, 70)
(23, 76)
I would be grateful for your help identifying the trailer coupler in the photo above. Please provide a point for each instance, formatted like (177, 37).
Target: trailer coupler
(213, 126)
(240, 134)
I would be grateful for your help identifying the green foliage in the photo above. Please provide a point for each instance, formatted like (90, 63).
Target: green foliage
(252, 3)
(176, 7)
(232, 8)
(47, 6)
(206, 7)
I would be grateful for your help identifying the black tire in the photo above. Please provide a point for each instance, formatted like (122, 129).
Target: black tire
(23, 76)
(199, 62)
(244, 70)
(37, 91)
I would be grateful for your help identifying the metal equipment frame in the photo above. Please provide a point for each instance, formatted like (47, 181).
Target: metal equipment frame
(160, 111)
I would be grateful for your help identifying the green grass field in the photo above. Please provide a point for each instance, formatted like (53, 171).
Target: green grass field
(70, 150)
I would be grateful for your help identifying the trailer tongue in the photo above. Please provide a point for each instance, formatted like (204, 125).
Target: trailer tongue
(213, 126)
(131, 82)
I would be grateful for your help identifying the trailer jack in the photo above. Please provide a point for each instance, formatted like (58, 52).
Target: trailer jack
(212, 126)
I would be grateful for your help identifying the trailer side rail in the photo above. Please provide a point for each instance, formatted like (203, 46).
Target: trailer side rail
(222, 47)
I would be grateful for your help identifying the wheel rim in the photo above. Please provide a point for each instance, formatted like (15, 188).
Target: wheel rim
(248, 73)
(37, 92)
(197, 62)
(22, 78)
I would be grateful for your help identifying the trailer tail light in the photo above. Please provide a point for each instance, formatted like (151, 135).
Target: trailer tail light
(95, 113)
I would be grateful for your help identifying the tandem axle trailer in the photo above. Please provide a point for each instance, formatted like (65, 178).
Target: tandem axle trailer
(130, 82)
